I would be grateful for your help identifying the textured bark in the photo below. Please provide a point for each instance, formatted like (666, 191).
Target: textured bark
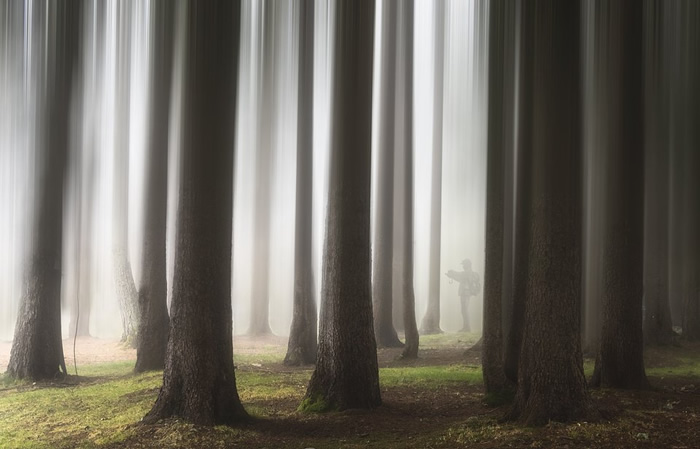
(620, 361)
(346, 374)
(410, 350)
(688, 134)
(302, 345)
(153, 306)
(123, 274)
(382, 266)
(551, 383)
(523, 198)
(267, 105)
(199, 383)
(501, 99)
(657, 317)
(431, 319)
(37, 351)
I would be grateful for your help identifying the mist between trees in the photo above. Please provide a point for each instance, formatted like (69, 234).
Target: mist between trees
(346, 173)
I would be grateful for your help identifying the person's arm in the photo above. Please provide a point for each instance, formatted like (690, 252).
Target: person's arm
(452, 274)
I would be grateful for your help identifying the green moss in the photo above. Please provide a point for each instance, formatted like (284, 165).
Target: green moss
(317, 404)
(430, 376)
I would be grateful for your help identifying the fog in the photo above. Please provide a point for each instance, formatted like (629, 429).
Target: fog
(89, 217)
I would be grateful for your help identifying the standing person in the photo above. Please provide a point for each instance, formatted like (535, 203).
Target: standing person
(469, 285)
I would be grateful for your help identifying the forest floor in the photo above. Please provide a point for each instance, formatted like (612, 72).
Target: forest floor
(436, 401)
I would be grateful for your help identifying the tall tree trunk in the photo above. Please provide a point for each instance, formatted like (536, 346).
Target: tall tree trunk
(523, 197)
(688, 133)
(123, 274)
(199, 382)
(409, 299)
(153, 296)
(346, 374)
(37, 350)
(431, 319)
(267, 105)
(620, 361)
(302, 345)
(657, 317)
(551, 384)
(382, 266)
(501, 99)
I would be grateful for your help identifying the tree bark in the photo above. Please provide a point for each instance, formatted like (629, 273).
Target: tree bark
(382, 266)
(431, 319)
(123, 274)
(37, 350)
(620, 361)
(199, 383)
(658, 328)
(551, 383)
(302, 345)
(346, 374)
(153, 296)
(410, 350)
(501, 100)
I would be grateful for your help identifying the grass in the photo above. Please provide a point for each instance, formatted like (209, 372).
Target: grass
(428, 406)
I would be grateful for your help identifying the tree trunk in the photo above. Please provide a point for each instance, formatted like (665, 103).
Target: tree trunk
(620, 361)
(657, 317)
(199, 383)
(153, 295)
(501, 99)
(37, 350)
(523, 199)
(431, 320)
(266, 127)
(382, 266)
(551, 384)
(688, 134)
(410, 350)
(123, 274)
(346, 374)
(301, 348)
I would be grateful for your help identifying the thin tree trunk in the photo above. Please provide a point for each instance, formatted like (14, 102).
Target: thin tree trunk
(153, 305)
(267, 104)
(123, 274)
(37, 350)
(501, 65)
(302, 345)
(382, 266)
(658, 328)
(346, 374)
(551, 383)
(409, 300)
(620, 361)
(199, 382)
(431, 319)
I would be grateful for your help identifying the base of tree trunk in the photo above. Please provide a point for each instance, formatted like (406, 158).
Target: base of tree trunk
(431, 331)
(388, 339)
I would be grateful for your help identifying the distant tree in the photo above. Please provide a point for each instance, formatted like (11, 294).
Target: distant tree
(123, 274)
(620, 361)
(267, 105)
(302, 344)
(199, 382)
(152, 337)
(37, 348)
(406, 9)
(551, 383)
(687, 132)
(657, 317)
(382, 266)
(431, 319)
(501, 99)
(346, 374)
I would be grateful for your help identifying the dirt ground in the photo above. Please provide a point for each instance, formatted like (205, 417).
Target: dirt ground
(449, 416)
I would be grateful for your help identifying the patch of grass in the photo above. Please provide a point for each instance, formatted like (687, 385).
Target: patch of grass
(449, 340)
(430, 376)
